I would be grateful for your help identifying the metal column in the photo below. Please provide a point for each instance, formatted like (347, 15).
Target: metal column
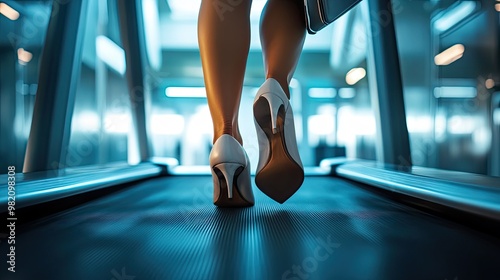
(132, 35)
(383, 59)
(59, 74)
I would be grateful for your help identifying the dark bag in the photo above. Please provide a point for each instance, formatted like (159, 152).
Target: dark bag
(320, 13)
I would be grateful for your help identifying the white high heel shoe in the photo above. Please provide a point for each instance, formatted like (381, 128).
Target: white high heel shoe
(280, 172)
(231, 173)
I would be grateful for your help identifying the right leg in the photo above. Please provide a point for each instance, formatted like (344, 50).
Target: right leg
(282, 34)
(282, 31)
(224, 40)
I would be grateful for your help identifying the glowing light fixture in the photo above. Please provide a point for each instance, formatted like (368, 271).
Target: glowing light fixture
(497, 7)
(196, 92)
(322, 92)
(455, 92)
(24, 56)
(8, 11)
(489, 83)
(454, 15)
(355, 75)
(112, 54)
(347, 93)
(449, 55)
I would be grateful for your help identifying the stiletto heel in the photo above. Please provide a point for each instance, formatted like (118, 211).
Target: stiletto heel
(228, 170)
(275, 104)
(231, 173)
(279, 172)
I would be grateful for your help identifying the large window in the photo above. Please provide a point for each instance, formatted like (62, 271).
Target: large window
(22, 35)
(449, 58)
(101, 129)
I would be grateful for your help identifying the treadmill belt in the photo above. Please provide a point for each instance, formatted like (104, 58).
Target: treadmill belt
(168, 228)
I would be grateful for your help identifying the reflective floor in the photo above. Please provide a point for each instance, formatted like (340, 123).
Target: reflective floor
(167, 228)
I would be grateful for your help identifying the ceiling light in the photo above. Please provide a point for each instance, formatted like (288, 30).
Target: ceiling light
(322, 92)
(24, 56)
(8, 11)
(449, 55)
(454, 15)
(455, 92)
(347, 93)
(489, 83)
(355, 75)
(197, 92)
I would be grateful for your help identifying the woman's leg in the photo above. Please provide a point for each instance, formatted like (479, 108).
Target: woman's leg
(282, 34)
(224, 41)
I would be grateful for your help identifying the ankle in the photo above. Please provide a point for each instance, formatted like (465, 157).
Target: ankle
(283, 83)
(236, 134)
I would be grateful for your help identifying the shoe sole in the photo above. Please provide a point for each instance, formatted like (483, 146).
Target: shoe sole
(281, 176)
